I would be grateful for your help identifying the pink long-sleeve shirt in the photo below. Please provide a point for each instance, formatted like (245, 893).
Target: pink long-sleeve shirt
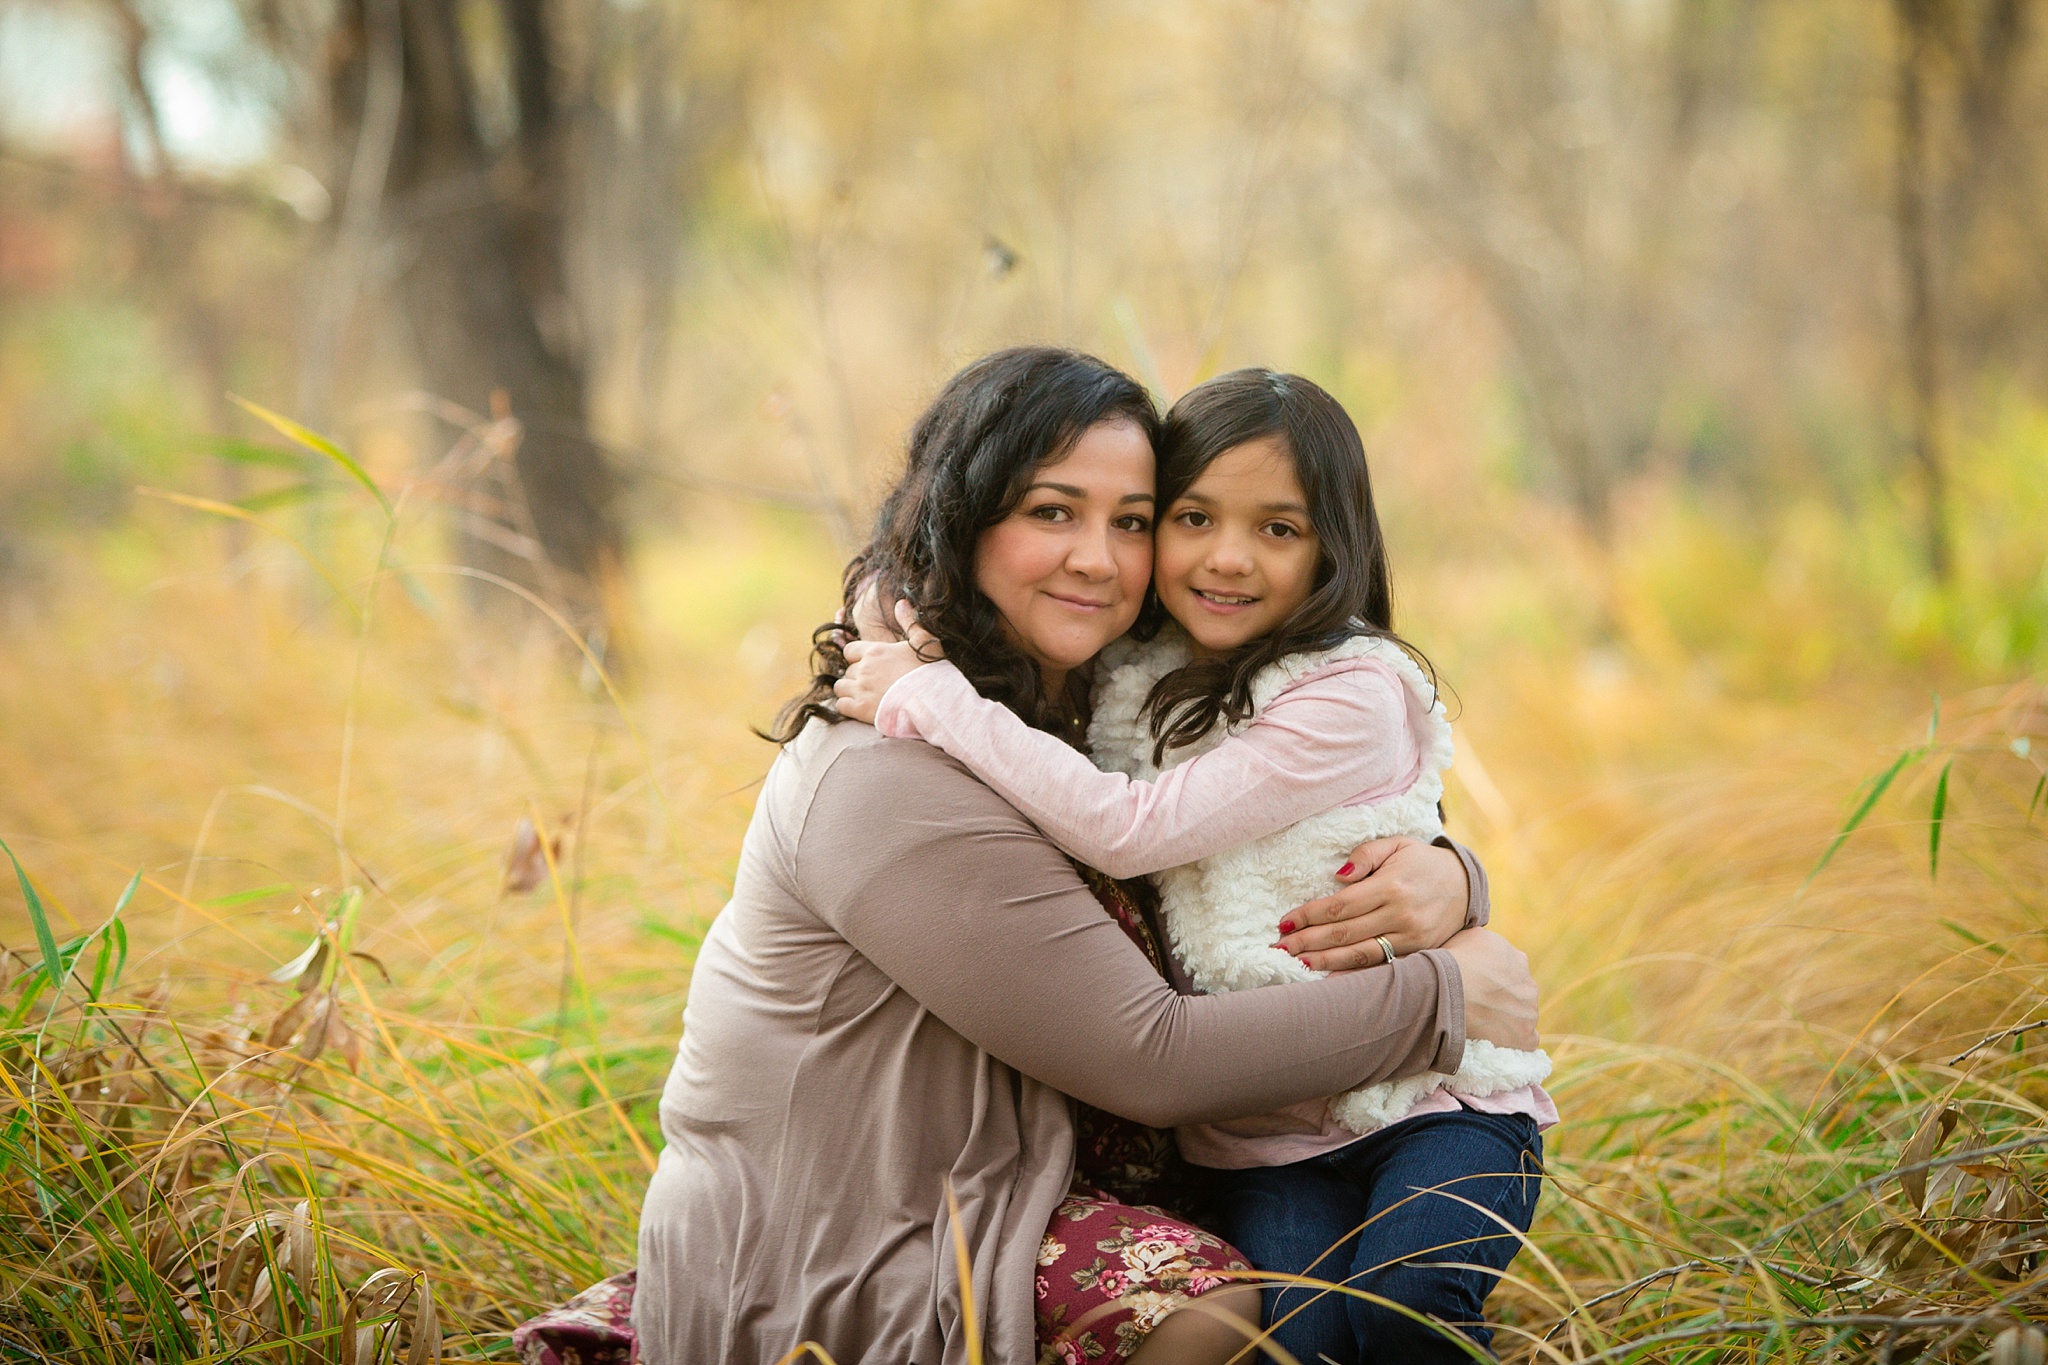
(1345, 735)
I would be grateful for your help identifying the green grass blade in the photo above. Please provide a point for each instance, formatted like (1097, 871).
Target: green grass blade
(1863, 808)
(53, 959)
(248, 452)
(2035, 800)
(288, 496)
(1934, 820)
(113, 953)
(314, 441)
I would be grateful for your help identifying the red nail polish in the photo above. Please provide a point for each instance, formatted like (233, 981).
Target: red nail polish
(1344, 871)
(1286, 926)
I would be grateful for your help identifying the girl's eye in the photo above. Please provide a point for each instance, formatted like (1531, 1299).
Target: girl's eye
(1192, 519)
(1281, 530)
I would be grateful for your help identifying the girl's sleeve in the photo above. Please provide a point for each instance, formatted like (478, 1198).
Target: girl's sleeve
(1340, 736)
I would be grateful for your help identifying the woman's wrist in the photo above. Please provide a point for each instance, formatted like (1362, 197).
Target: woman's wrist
(1450, 1011)
(1478, 894)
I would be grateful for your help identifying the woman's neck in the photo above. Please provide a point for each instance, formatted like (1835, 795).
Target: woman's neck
(1066, 698)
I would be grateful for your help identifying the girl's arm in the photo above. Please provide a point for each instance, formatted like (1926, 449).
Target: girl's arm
(1337, 737)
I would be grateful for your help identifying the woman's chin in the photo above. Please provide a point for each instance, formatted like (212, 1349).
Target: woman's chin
(1066, 650)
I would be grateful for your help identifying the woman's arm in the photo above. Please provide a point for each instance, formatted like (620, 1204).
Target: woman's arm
(1053, 988)
(1339, 736)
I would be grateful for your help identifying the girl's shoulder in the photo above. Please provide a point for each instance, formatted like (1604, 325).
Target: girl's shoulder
(1119, 736)
(1292, 670)
(1129, 656)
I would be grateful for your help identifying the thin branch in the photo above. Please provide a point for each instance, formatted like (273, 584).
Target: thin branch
(1672, 1271)
(1997, 1037)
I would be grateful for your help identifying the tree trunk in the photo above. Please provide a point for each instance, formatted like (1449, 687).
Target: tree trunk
(1916, 21)
(482, 289)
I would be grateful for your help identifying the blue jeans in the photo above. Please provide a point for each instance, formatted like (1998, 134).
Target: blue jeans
(1394, 1215)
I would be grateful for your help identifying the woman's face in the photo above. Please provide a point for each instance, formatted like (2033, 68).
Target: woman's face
(1067, 568)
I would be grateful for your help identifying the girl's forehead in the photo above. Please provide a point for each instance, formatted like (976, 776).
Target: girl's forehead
(1260, 464)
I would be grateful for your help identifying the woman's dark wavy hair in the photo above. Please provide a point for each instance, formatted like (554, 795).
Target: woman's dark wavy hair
(1353, 594)
(971, 456)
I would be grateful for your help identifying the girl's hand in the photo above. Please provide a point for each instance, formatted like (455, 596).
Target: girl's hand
(873, 666)
(1414, 894)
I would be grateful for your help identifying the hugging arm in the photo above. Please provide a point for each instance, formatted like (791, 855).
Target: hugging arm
(1317, 745)
(1052, 986)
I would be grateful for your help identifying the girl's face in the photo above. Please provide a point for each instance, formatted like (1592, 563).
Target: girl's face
(1236, 552)
(1067, 567)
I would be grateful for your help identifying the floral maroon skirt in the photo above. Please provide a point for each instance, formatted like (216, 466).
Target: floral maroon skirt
(1108, 1273)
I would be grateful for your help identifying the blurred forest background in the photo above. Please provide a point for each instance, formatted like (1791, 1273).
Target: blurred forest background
(1699, 346)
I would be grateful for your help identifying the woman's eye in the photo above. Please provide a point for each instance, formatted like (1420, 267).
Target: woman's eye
(1134, 522)
(1050, 511)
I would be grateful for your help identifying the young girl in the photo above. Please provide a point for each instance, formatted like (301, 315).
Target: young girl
(1274, 723)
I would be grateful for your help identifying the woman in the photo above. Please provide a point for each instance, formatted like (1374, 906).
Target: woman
(887, 1020)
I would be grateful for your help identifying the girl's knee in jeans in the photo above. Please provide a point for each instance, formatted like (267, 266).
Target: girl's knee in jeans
(1440, 1311)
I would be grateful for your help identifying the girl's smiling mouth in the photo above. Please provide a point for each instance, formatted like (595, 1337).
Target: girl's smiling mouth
(1223, 600)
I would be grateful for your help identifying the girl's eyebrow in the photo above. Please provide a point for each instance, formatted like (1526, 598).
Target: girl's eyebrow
(1207, 501)
(1070, 491)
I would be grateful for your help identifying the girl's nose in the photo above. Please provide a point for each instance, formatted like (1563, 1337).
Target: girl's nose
(1230, 555)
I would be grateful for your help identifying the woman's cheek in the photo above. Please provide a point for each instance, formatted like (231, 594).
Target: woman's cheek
(1135, 576)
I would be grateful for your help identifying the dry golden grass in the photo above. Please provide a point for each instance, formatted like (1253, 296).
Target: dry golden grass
(448, 1108)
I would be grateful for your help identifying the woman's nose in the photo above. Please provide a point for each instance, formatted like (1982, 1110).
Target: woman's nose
(1089, 554)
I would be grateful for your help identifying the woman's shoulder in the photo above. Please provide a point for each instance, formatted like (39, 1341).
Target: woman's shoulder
(850, 771)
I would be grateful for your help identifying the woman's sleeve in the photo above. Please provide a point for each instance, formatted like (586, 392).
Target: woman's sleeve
(904, 854)
(1478, 894)
(1334, 738)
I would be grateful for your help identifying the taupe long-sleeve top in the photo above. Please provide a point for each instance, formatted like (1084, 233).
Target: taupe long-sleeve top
(907, 984)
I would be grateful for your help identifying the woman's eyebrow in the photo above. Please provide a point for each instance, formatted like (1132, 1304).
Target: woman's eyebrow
(1070, 491)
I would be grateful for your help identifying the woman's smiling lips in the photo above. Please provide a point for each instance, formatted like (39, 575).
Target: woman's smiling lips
(1081, 604)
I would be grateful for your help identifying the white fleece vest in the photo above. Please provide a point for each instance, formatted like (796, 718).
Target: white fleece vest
(1220, 912)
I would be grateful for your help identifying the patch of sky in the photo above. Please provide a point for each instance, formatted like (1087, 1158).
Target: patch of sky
(215, 92)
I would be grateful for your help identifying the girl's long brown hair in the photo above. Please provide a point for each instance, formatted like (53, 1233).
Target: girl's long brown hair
(1353, 593)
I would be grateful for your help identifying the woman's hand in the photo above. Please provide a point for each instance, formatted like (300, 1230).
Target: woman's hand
(1500, 995)
(1413, 894)
(873, 666)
